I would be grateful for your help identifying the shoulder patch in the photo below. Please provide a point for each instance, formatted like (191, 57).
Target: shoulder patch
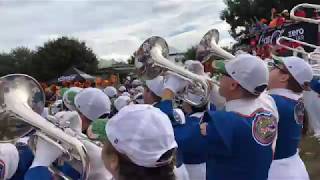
(264, 128)
(299, 112)
(177, 117)
(2, 169)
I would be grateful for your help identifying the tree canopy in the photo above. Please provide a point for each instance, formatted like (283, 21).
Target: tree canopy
(56, 56)
(50, 59)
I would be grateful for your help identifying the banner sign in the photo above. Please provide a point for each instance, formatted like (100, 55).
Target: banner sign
(306, 32)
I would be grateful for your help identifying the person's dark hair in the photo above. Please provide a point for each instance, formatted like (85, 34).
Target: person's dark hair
(247, 94)
(130, 171)
(293, 85)
(156, 98)
(199, 109)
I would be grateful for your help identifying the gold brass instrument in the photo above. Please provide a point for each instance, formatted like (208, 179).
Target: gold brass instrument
(304, 19)
(151, 60)
(22, 100)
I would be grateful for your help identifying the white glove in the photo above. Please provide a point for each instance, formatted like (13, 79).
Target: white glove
(174, 83)
(98, 170)
(69, 119)
(195, 67)
(45, 154)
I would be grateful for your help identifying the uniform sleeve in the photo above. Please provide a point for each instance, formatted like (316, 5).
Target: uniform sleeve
(166, 106)
(25, 161)
(219, 132)
(38, 173)
(188, 136)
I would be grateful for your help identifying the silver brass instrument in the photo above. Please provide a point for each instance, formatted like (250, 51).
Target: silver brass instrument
(303, 19)
(22, 100)
(151, 60)
(208, 47)
(312, 57)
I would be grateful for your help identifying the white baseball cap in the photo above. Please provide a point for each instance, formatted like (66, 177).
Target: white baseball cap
(9, 160)
(156, 85)
(92, 103)
(139, 89)
(143, 133)
(68, 97)
(121, 102)
(110, 91)
(122, 88)
(299, 69)
(249, 71)
(136, 82)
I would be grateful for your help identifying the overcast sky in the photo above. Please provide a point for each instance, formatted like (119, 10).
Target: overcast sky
(112, 28)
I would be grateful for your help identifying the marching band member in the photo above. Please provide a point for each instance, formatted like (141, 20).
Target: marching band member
(121, 102)
(111, 92)
(68, 97)
(287, 80)
(311, 100)
(144, 148)
(121, 90)
(138, 98)
(239, 138)
(152, 95)
(194, 156)
(91, 104)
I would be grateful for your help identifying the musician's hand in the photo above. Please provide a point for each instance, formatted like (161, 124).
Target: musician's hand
(174, 83)
(98, 171)
(46, 153)
(69, 119)
(203, 128)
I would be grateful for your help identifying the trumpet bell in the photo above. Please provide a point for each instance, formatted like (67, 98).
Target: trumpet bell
(23, 89)
(144, 62)
(205, 47)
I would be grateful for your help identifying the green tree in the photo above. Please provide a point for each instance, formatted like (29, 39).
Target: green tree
(246, 12)
(22, 57)
(7, 64)
(190, 53)
(56, 56)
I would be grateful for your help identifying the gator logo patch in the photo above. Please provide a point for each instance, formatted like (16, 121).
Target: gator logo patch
(264, 128)
(299, 112)
(2, 169)
(177, 117)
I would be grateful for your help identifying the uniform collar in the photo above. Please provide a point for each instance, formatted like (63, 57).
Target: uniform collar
(248, 107)
(197, 114)
(286, 93)
(242, 106)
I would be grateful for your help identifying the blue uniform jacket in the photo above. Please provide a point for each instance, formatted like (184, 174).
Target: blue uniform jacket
(239, 147)
(289, 127)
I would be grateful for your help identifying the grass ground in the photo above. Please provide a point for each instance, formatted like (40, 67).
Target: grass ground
(310, 154)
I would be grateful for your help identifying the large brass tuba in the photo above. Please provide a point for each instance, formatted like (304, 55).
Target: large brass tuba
(22, 100)
(151, 60)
